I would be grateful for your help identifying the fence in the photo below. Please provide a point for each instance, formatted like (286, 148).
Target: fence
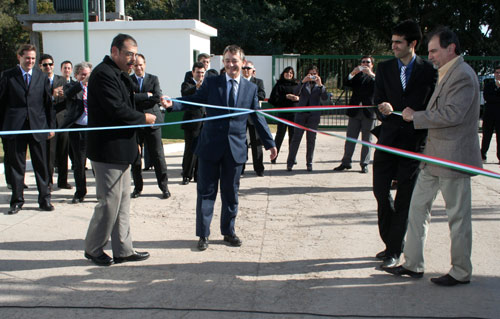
(333, 70)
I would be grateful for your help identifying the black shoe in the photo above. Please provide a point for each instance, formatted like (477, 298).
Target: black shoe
(65, 186)
(76, 199)
(135, 194)
(273, 161)
(136, 256)
(9, 186)
(289, 168)
(166, 194)
(448, 281)
(364, 169)
(25, 186)
(48, 207)
(401, 271)
(342, 167)
(260, 173)
(203, 243)
(389, 262)
(146, 168)
(233, 240)
(185, 180)
(309, 167)
(381, 255)
(103, 260)
(14, 209)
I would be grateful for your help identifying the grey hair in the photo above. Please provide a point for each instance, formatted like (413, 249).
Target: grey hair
(82, 65)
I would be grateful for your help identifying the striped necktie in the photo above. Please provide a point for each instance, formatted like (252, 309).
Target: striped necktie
(85, 100)
(403, 77)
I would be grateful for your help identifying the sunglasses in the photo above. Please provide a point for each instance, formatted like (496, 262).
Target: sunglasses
(48, 64)
(366, 61)
(247, 68)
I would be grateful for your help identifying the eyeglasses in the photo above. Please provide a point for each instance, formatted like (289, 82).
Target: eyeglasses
(47, 64)
(366, 61)
(247, 68)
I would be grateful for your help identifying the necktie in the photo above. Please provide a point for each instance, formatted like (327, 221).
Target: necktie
(230, 100)
(27, 79)
(85, 100)
(140, 83)
(403, 77)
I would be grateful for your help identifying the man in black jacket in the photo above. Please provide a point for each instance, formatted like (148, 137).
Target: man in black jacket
(405, 81)
(25, 104)
(191, 130)
(362, 82)
(111, 103)
(491, 116)
(147, 97)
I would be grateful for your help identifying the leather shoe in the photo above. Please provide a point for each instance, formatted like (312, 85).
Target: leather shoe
(135, 194)
(203, 243)
(166, 194)
(260, 173)
(185, 181)
(48, 207)
(14, 209)
(342, 167)
(65, 186)
(389, 262)
(381, 255)
(364, 169)
(401, 271)
(76, 200)
(289, 168)
(448, 281)
(136, 256)
(309, 167)
(103, 260)
(233, 240)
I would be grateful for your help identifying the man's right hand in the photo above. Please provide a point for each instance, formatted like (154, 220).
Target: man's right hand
(150, 118)
(166, 102)
(385, 108)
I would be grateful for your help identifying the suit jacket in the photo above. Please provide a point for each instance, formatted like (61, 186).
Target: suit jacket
(146, 104)
(59, 102)
(211, 72)
(394, 131)
(308, 97)
(362, 86)
(227, 134)
(189, 88)
(73, 93)
(451, 118)
(491, 95)
(261, 93)
(110, 101)
(19, 103)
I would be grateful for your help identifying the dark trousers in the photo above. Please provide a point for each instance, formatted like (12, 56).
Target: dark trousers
(8, 177)
(257, 149)
(309, 120)
(152, 139)
(228, 172)
(281, 131)
(491, 122)
(58, 149)
(393, 213)
(17, 147)
(189, 160)
(78, 145)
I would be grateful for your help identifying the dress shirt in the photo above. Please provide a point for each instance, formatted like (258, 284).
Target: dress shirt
(409, 68)
(236, 87)
(444, 69)
(83, 119)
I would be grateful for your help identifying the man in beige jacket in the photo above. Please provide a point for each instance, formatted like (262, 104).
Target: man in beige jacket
(451, 118)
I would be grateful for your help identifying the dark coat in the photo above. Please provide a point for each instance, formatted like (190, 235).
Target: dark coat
(491, 95)
(147, 104)
(19, 103)
(394, 131)
(189, 88)
(73, 93)
(362, 86)
(111, 103)
(308, 97)
(279, 92)
(261, 93)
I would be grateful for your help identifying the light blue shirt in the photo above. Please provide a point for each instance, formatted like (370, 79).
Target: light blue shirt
(236, 87)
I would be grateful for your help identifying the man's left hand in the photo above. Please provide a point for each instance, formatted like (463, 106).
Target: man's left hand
(274, 152)
(51, 135)
(408, 114)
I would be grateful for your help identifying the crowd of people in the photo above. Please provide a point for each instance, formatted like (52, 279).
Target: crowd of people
(424, 106)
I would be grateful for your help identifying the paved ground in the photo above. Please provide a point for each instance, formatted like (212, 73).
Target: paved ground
(308, 244)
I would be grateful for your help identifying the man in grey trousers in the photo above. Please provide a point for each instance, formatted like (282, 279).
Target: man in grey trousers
(111, 103)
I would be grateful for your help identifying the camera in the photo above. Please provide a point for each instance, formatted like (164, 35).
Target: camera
(313, 77)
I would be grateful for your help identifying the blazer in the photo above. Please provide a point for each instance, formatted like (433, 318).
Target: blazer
(189, 88)
(110, 102)
(451, 118)
(362, 86)
(147, 104)
(394, 131)
(308, 97)
(279, 92)
(261, 93)
(226, 134)
(59, 102)
(73, 92)
(20, 104)
(491, 95)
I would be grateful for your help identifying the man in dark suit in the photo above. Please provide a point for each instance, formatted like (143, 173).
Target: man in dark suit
(76, 94)
(57, 147)
(191, 130)
(221, 146)
(25, 104)
(248, 71)
(406, 80)
(111, 103)
(491, 116)
(362, 82)
(147, 98)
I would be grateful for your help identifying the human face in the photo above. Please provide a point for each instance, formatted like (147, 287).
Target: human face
(367, 62)
(139, 67)
(66, 70)
(27, 60)
(288, 75)
(248, 70)
(84, 73)
(440, 56)
(47, 66)
(233, 64)
(206, 62)
(497, 75)
(312, 72)
(401, 48)
(125, 58)
(198, 74)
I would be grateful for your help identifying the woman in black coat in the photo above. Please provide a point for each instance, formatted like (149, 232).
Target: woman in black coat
(282, 95)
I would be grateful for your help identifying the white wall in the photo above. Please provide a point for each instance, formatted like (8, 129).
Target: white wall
(167, 44)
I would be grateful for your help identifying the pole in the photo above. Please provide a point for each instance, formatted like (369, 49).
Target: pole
(86, 29)
(199, 10)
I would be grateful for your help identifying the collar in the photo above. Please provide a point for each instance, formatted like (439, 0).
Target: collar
(238, 79)
(445, 68)
(140, 77)
(410, 65)
(30, 72)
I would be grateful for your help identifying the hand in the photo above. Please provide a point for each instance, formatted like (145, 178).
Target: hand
(368, 71)
(356, 70)
(408, 114)
(150, 118)
(274, 152)
(199, 83)
(166, 102)
(385, 108)
(150, 94)
(292, 97)
(318, 81)
(58, 92)
(51, 135)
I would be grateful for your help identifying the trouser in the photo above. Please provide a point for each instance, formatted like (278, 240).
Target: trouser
(281, 131)
(189, 159)
(78, 145)
(309, 120)
(359, 123)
